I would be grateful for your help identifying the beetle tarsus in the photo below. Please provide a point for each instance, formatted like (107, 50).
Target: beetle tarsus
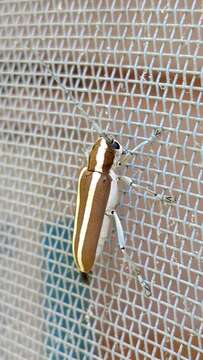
(144, 284)
(157, 132)
(147, 290)
(169, 199)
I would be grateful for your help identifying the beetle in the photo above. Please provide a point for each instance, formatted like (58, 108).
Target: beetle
(98, 194)
(97, 200)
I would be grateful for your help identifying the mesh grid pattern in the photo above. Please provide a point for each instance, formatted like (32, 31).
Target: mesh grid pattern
(131, 66)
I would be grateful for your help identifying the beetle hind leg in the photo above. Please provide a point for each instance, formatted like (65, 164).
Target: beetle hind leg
(121, 242)
(119, 228)
(139, 277)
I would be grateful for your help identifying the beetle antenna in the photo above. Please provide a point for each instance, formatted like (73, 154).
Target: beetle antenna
(67, 92)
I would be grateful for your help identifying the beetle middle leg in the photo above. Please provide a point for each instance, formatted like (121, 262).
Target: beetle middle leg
(132, 184)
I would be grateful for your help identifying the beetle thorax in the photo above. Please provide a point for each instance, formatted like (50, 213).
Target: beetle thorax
(101, 157)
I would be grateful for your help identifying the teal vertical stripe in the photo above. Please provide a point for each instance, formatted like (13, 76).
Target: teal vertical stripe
(65, 297)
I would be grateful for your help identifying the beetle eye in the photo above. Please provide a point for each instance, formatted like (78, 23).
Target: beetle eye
(115, 145)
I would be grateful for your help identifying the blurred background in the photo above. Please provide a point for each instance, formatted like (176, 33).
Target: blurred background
(130, 66)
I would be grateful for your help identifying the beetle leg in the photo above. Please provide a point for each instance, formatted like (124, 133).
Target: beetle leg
(119, 228)
(139, 277)
(123, 161)
(121, 242)
(132, 184)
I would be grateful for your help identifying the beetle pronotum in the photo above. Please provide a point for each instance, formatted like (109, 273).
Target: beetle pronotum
(98, 196)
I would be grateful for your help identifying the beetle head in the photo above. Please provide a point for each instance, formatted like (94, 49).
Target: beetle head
(113, 144)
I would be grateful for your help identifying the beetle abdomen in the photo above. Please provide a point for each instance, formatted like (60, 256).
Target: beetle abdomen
(92, 196)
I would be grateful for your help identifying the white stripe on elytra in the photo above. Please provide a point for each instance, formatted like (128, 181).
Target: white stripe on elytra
(88, 207)
(76, 213)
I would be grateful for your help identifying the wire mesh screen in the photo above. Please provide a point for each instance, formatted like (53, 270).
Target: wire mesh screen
(132, 67)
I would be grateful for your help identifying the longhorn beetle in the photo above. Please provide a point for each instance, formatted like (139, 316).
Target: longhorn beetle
(98, 194)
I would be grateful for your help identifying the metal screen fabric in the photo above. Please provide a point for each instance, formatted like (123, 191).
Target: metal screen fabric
(130, 66)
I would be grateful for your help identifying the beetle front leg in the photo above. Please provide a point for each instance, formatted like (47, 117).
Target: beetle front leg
(124, 160)
(121, 242)
(132, 184)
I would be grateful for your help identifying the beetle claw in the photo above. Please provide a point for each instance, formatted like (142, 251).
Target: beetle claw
(157, 132)
(169, 199)
(147, 290)
(143, 283)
